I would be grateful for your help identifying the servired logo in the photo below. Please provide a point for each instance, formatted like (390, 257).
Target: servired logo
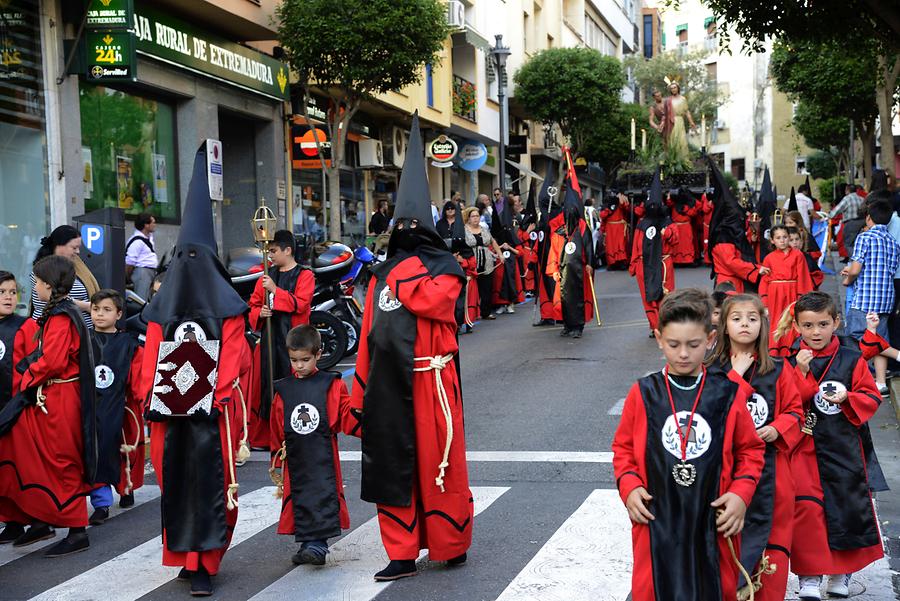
(308, 142)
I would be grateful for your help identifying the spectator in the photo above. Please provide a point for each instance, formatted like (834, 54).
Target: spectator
(875, 259)
(852, 220)
(457, 198)
(804, 204)
(450, 225)
(485, 209)
(436, 210)
(317, 228)
(486, 251)
(140, 255)
(65, 241)
(379, 222)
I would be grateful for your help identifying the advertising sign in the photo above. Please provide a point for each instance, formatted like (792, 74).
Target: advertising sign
(442, 149)
(214, 170)
(110, 55)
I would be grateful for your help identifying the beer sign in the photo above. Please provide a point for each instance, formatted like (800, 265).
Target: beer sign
(442, 149)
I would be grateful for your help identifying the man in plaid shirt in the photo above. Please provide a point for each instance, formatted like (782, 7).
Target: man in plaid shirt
(876, 256)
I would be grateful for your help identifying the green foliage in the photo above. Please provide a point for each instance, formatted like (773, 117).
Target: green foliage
(821, 130)
(608, 141)
(363, 47)
(701, 92)
(826, 190)
(821, 165)
(836, 79)
(571, 88)
(732, 182)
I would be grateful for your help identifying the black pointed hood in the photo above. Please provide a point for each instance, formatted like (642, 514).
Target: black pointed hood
(767, 203)
(808, 186)
(792, 201)
(653, 206)
(728, 222)
(529, 215)
(414, 200)
(197, 286)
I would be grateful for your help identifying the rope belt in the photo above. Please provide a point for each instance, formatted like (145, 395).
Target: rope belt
(126, 449)
(783, 281)
(41, 397)
(619, 221)
(243, 452)
(468, 320)
(437, 364)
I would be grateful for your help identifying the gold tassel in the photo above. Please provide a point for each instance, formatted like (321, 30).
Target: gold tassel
(276, 474)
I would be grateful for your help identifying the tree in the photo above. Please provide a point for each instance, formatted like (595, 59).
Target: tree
(827, 133)
(351, 50)
(821, 164)
(701, 91)
(835, 80)
(570, 88)
(608, 141)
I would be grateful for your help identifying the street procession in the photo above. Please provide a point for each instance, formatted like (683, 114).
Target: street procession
(449, 300)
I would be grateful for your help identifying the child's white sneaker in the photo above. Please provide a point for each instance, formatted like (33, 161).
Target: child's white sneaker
(809, 588)
(839, 586)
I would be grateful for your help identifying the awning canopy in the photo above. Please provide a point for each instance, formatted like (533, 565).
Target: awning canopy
(680, 28)
(473, 38)
(707, 22)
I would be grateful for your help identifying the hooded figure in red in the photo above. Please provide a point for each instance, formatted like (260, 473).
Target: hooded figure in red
(684, 207)
(196, 326)
(407, 387)
(571, 263)
(614, 216)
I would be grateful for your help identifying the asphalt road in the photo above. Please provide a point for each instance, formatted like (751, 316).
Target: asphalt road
(541, 412)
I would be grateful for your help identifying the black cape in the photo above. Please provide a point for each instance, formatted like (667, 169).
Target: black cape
(115, 353)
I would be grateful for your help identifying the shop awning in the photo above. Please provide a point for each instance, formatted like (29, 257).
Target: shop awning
(474, 38)
(707, 22)
(680, 28)
(525, 170)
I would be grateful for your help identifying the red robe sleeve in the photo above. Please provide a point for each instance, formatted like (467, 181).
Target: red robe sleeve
(804, 279)
(135, 381)
(790, 410)
(151, 351)
(863, 400)
(361, 376)
(342, 419)
(629, 435)
(422, 295)
(670, 239)
(747, 449)
(769, 262)
(60, 341)
(257, 300)
(871, 345)
(727, 258)
(230, 358)
(276, 428)
(637, 253)
(23, 345)
(556, 245)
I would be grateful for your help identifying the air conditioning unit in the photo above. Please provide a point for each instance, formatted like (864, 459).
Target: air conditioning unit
(456, 14)
(719, 124)
(371, 154)
(396, 151)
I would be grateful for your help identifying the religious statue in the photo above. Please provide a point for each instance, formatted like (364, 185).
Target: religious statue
(657, 111)
(673, 130)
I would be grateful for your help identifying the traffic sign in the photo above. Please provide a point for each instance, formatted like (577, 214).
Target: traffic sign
(92, 238)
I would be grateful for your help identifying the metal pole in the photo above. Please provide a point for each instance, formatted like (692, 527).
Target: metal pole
(501, 97)
(851, 168)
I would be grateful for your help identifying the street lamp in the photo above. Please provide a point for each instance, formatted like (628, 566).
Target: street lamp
(500, 53)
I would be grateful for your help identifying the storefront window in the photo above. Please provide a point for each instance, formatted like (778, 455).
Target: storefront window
(128, 145)
(23, 179)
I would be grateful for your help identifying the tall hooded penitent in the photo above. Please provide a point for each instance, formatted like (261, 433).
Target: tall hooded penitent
(792, 201)
(650, 229)
(727, 224)
(414, 200)
(765, 208)
(197, 285)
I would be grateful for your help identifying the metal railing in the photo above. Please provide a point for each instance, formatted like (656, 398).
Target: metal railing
(465, 103)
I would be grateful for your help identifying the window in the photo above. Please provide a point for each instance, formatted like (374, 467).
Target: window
(429, 85)
(526, 30)
(648, 36)
(128, 144)
(737, 169)
(596, 38)
(800, 164)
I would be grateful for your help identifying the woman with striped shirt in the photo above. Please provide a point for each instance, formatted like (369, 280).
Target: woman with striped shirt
(65, 241)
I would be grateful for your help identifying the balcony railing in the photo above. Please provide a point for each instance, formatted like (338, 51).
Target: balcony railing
(465, 99)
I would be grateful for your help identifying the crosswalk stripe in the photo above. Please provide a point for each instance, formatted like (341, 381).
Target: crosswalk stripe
(587, 559)
(519, 456)
(257, 510)
(142, 495)
(352, 562)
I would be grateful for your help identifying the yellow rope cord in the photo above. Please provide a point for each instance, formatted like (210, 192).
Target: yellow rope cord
(233, 487)
(243, 453)
(126, 449)
(437, 364)
(276, 474)
(40, 403)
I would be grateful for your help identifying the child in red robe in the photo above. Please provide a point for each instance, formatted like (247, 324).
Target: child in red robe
(835, 523)
(787, 277)
(773, 401)
(614, 217)
(309, 409)
(281, 300)
(687, 460)
(45, 469)
(17, 338)
(683, 208)
(815, 272)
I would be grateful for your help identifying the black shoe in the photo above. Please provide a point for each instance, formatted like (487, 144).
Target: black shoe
(565, 333)
(576, 334)
(397, 569)
(11, 532)
(126, 501)
(546, 322)
(34, 534)
(184, 574)
(100, 515)
(73, 543)
(201, 583)
(457, 561)
(652, 335)
(312, 553)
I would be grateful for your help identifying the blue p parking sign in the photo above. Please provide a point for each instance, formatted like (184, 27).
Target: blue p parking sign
(92, 238)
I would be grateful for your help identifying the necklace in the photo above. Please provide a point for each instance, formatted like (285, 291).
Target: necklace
(682, 387)
(684, 473)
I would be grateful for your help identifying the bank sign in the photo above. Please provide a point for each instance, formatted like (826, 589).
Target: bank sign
(176, 42)
(110, 55)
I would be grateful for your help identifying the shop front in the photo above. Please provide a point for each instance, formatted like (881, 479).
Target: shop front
(24, 205)
(139, 127)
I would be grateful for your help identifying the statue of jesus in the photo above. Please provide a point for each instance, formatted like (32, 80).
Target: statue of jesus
(675, 111)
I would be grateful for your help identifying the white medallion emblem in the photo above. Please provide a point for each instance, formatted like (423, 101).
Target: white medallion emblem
(533, 236)
(651, 232)
(828, 388)
(506, 254)
(767, 234)
(304, 419)
(190, 330)
(759, 409)
(385, 302)
(570, 248)
(2, 350)
(541, 236)
(103, 377)
(698, 434)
